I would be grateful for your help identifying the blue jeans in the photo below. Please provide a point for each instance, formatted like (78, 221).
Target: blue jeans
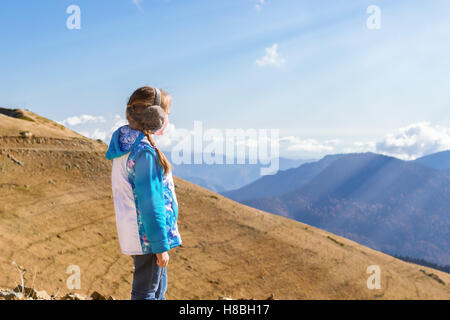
(149, 279)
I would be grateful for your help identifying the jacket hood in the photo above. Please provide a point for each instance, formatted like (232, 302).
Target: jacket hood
(123, 141)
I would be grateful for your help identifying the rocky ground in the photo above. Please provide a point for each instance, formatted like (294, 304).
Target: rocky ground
(26, 293)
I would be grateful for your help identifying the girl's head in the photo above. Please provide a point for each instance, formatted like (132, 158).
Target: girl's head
(144, 116)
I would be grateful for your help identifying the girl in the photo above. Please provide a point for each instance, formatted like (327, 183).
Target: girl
(144, 195)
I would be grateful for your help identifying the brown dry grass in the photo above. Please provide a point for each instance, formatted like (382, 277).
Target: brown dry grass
(56, 210)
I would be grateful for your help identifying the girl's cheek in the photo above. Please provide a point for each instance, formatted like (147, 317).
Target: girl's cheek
(161, 132)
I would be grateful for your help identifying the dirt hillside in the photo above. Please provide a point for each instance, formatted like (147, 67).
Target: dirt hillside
(56, 210)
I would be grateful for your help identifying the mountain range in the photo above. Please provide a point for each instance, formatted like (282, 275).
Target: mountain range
(396, 206)
(224, 177)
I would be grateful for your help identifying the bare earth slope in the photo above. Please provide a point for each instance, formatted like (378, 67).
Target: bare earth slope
(56, 210)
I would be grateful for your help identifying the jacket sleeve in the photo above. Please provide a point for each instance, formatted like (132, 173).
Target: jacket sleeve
(150, 198)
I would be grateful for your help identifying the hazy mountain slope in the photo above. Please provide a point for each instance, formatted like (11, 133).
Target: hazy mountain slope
(56, 210)
(439, 160)
(220, 178)
(388, 204)
(205, 183)
(282, 182)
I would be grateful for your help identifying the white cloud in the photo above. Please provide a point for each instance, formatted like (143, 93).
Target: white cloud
(308, 145)
(169, 137)
(333, 141)
(118, 122)
(77, 120)
(98, 134)
(415, 140)
(272, 57)
(365, 145)
(406, 143)
(105, 132)
(360, 146)
(101, 133)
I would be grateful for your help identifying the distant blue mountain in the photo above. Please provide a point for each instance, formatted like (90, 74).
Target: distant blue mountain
(223, 177)
(283, 182)
(385, 203)
(439, 160)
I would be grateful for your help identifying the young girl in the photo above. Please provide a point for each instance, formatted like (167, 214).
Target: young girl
(144, 195)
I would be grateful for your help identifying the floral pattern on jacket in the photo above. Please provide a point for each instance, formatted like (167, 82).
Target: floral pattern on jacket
(170, 201)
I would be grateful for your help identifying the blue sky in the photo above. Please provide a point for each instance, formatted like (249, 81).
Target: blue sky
(312, 69)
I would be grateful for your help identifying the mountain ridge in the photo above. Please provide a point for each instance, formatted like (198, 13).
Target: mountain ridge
(377, 192)
(438, 160)
(285, 180)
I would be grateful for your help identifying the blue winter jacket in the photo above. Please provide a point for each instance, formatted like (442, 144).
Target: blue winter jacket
(145, 202)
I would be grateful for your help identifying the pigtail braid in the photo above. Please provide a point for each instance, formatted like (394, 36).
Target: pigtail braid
(163, 162)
